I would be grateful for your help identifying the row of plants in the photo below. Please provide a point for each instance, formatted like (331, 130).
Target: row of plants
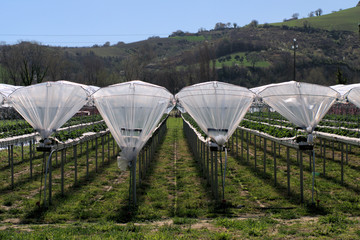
(271, 130)
(193, 123)
(65, 135)
(11, 128)
(347, 129)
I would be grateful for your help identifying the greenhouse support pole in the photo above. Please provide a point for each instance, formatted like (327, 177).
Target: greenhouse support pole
(134, 181)
(264, 155)
(224, 174)
(288, 169)
(108, 147)
(247, 148)
(237, 142)
(313, 177)
(212, 174)
(301, 179)
(22, 152)
(242, 145)
(207, 165)
(30, 152)
(113, 142)
(46, 172)
(324, 158)
(62, 171)
(342, 164)
(347, 152)
(9, 160)
(12, 165)
(75, 163)
(255, 151)
(140, 175)
(216, 177)
(275, 180)
(87, 159)
(96, 154)
(102, 150)
(56, 158)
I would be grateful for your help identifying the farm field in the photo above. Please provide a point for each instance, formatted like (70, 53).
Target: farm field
(175, 201)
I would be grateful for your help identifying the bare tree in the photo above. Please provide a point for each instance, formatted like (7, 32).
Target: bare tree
(25, 62)
(93, 65)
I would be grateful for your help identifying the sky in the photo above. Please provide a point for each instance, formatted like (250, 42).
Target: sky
(78, 23)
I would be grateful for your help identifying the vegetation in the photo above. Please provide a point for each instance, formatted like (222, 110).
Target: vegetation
(344, 20)
(175, 202)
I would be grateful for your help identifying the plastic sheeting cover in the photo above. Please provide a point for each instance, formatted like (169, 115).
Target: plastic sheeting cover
(6, 90)
(344, 89)
(303, 104)
(47, 106)
(132, 111)
(217, 107)
(354, 96)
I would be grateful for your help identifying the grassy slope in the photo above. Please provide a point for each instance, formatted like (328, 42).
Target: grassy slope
(345, 20)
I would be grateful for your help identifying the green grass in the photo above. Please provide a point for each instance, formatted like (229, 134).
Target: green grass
(230, 60)
(345, 20)
(191, 38)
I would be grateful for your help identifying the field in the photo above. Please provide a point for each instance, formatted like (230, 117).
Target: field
(175, 200)
(341, 20)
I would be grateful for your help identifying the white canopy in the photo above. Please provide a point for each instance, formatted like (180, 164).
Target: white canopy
(132, 111)
(354, 96)
(47, 106)
(217, 107)
(303, 104)
(6, 90)
(344, 89)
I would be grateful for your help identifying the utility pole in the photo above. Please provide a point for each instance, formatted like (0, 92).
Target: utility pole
(294, 47)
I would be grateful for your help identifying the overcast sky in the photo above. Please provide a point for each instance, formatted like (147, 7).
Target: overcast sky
(89, 22)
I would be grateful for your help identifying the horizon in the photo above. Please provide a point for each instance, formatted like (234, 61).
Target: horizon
(88, 23)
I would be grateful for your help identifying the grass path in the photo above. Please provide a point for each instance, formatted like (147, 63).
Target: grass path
(173, 187)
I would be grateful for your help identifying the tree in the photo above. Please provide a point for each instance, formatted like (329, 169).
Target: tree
(253, 58)
(318, 12)
(220, 26)
(92, 67)
(295, 16)
(311, 14)
(26, 62)
(340, 79)
(254, 23)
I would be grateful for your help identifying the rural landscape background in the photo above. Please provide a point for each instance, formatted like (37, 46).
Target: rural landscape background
(174, 198)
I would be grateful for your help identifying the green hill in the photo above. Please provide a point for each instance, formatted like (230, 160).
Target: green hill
(345, 20)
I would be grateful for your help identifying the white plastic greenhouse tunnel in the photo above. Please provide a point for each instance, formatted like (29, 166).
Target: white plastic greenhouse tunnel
(132, 111)
(303, 104)
(218, 109)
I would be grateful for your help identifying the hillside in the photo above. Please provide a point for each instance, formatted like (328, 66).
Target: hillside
(249, 56)
(345, 20)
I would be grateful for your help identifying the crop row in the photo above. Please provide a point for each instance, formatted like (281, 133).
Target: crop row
(65, 135)
(10, 128)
